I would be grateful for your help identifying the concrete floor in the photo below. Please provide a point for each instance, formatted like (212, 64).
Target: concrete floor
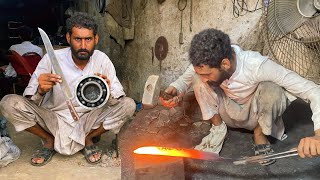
(60, 167)
(238, 144)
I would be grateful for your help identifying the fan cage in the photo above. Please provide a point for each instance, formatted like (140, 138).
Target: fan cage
(298, 49)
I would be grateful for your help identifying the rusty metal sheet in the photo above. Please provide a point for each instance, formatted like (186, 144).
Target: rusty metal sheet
(161, 48)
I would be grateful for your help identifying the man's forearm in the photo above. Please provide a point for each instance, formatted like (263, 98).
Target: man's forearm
(185, 80)
(37, 98)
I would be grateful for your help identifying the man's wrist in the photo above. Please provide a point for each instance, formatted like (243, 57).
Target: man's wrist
(37, 98)
(317, 132)
(39, 92)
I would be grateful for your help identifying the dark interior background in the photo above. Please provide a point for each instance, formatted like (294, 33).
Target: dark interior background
(46, 14)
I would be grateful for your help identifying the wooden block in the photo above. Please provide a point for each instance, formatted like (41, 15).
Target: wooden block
(148, 167)
(151, 92)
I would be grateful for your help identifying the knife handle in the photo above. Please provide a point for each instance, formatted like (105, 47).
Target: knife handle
(72, 110)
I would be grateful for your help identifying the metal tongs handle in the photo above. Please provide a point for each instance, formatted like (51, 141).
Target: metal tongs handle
(253, 159)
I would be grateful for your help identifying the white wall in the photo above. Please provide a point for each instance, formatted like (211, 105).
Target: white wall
(133, 62)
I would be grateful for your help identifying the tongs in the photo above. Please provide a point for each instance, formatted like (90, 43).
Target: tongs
(261, 158)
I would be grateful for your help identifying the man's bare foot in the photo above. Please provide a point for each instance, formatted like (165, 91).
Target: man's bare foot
(39, 157)
(262, 146)
(259, 137)
(95, 154)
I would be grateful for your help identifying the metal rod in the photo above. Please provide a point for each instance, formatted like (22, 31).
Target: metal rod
(277, 154)
(285, 154)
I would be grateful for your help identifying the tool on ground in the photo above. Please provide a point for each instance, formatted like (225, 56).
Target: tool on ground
(182, 4)
(260, 158)
(57, 69)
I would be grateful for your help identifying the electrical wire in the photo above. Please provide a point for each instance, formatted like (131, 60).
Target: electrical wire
(182, 4)
(240, 8)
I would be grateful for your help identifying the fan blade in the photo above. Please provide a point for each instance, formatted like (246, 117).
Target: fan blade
(306, 8)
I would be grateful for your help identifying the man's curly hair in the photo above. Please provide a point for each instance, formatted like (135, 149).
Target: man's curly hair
(210, 47)
(82, 20)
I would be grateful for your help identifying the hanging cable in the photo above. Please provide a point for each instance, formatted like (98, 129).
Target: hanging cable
(240, 8)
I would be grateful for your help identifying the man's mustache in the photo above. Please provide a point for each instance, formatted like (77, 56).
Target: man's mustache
(82, 50)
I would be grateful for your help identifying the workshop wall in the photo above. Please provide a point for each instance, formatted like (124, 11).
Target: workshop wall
(130, 49)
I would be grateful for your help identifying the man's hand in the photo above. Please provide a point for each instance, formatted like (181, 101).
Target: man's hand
(171, 91)
(310, 146)
(169, 98)
(47, 81)
(105, 78)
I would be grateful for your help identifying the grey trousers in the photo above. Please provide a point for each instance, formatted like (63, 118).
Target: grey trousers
(265, 107)
(69, 138)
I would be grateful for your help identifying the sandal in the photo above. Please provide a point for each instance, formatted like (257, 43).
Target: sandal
(89, 151)
(44, 153)
(264, 149)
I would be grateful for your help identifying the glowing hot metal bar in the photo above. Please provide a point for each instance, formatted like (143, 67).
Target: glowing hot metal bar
(179, 152)
(195, 154)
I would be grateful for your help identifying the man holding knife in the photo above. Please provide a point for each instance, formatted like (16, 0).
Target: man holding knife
(43, 110)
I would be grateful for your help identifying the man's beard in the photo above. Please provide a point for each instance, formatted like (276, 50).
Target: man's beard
(223, 76)
(78, 54)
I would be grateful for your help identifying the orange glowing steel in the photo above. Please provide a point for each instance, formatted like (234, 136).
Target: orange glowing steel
(153, 150)
(177, 152)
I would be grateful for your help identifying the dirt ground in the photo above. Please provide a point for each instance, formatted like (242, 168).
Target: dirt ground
(60, 167)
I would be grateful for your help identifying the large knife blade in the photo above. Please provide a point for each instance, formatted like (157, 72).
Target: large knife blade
(57, 69)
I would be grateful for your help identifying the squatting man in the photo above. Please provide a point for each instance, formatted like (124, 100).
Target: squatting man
(243, 89)
(42, 109)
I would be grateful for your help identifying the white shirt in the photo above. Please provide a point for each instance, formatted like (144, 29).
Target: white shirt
(54, 100)
(253, 68)
(21, 49)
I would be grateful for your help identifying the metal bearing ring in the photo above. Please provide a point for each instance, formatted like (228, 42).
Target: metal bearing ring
(92, 92)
